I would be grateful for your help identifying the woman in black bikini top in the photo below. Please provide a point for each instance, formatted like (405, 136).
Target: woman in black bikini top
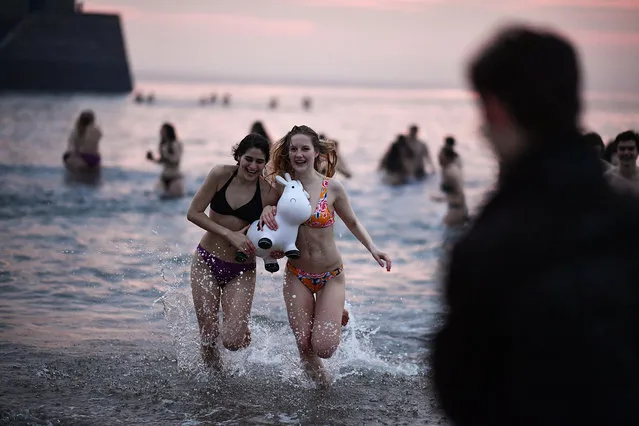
(217, 279)
(249, 212)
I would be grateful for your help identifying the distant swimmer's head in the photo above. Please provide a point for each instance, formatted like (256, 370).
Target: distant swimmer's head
(449, 141)
(627, 147)
(528, 83)
(85, 119)
(167, 133)
(413, 130)
(302, 149)
(251, 154)
(594, 141)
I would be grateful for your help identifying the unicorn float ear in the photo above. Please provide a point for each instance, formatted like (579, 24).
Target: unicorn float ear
(281, 180)
(288, 177)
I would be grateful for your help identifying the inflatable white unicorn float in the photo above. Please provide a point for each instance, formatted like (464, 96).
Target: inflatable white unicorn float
(293, 209)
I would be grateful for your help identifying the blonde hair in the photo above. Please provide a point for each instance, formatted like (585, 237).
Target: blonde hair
(281, 162)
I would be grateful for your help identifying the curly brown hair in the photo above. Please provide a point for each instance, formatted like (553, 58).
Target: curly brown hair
(327, 149)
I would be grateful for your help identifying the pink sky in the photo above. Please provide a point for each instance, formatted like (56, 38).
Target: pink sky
(423, 42)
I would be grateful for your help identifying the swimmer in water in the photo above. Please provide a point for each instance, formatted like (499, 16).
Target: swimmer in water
(171, 184)
(83, 150)
(452, 185)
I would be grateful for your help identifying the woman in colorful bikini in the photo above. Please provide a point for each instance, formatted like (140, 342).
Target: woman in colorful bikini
(235, 194)
(314, 284)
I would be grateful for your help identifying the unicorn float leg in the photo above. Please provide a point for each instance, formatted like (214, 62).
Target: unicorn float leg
(271, 264)
(292, 252)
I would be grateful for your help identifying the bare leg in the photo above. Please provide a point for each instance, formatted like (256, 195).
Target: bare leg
(237, 300)
(206, 299)
(300, 306)
(329, 311)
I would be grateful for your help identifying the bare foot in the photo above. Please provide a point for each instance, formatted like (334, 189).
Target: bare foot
(211, 356)
(345, 318)
(318, 374)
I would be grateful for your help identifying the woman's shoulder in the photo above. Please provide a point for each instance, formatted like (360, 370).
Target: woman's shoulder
(222, 170)
(334, 184)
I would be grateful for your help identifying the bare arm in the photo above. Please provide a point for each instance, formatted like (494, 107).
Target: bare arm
(343, 208)
(196, 213)
(270, 207)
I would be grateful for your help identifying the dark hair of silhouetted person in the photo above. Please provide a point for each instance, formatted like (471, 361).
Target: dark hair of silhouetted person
(535, 75)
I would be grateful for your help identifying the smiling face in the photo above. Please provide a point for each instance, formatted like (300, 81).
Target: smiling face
(302, 153)
(627, 153)
(252, 164)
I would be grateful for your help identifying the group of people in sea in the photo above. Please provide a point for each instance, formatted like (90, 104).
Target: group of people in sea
(541, 291)
(212, 99)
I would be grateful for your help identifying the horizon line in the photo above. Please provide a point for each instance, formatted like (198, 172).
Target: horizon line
(373, 84)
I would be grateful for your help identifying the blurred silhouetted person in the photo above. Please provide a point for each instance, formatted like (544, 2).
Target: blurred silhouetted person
(340, 166)
(258, 127)
(625, 175)
(542, 319)
(83, 149)
(419, 158)
(610, 153)
(307, 102)
(272, 104)
(171, 183)
(452, 186)
(393, 163)
(226, 99)
(596, 143)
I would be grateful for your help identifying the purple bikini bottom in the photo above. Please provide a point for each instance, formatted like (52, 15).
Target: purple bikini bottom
(223, 271)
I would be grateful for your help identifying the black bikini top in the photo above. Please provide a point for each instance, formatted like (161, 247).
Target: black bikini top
(249, 212)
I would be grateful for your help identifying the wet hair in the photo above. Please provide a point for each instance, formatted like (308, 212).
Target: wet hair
(325, 147)
(322, 136)
(252, 140)
(593, 139)
(413, 128)
(170, 138)
(392, 160)
(628, 135)
(536, 75)
(258, 127)
(85, 119)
